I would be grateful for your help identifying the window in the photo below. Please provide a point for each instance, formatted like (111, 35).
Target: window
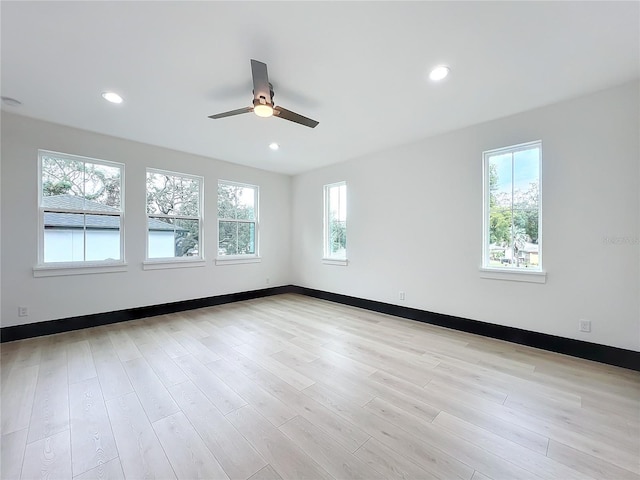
(237, 220)
(174, 215)
(512, 213)
(81, 208)
(335, 221)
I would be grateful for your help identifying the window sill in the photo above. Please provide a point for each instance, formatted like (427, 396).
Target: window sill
(237, 260)
(336, 261)
(514, 275)
(161, 264)
(70, 269)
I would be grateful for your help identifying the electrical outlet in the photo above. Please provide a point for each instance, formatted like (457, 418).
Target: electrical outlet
(23, 311)
(584, 326)
(268, 281)
(401, 295)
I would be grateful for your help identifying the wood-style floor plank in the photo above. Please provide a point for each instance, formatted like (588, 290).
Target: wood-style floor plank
(112, 470)
(187, 452)
(92, 442)
(218, 392)
(17, 397)
(237, 457)
(49, 458)
(80, 362)
(12, 447)
(50, 411)
(287, 387)
(266, 473)
(153, 395)
(113, 378)
(389, 463)
(330, 456)
(141, 454)
(280, 452)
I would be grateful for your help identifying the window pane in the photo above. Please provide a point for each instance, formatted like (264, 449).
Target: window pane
(102, 237)
(161, 238)
(67, 234)
(500, 179)
(187, 236)
(169, 237)
(62, 176)
(236, 202)
(338, 202)
(102, 185)
(63, 237)
(336, 221)
(526, 168)
(172, 194)
(513, 220)
(227, 238)
(246, 238)
(246, 209)
(338, 239)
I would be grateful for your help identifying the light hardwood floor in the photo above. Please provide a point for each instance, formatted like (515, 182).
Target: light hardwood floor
(289, 387)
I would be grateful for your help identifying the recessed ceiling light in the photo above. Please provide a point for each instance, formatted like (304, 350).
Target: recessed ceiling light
(11, 102)
(274, 146)
(112, 97)
(439, 72)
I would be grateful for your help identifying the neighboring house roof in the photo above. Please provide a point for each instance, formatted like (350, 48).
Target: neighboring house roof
(101, 222)
(74, 202)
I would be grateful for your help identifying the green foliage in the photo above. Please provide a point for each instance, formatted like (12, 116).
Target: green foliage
(95, 182)
(236, 226)
(513, 218)
(338, 235)
(179, 196)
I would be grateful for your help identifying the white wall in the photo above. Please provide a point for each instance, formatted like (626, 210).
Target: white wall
(67, 296)
(415, 222)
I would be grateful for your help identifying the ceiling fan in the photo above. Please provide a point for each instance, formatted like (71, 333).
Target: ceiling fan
(263, 100)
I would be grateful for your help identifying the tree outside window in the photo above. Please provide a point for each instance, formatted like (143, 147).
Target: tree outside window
(81, 207)
(335, 221)
(512, 207)
(174, 215)
(237, 219)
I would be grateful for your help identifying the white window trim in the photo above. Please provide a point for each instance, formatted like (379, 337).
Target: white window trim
(244, 258)
(237, 259)
(177, 262)
(336, 261)
(327, 258)
(531, 276)
(158, 263)
(42, 269)
(534, 275)
(62, 269)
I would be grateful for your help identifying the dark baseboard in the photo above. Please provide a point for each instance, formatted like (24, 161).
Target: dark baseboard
(19, 332)
(576, 348)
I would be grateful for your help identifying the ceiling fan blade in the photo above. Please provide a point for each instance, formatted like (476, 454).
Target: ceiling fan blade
(232, 113)
(261, 86)
(294, 117)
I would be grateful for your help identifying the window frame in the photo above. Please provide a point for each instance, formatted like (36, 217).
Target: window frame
(327, 256)
(42, 268)
(534, 274)
(245, 257)
(175, 262)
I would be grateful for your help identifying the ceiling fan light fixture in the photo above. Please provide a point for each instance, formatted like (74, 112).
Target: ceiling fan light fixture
(439, 73)
(263, 110)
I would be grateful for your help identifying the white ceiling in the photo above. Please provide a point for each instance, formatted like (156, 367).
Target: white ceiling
(359, 68)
